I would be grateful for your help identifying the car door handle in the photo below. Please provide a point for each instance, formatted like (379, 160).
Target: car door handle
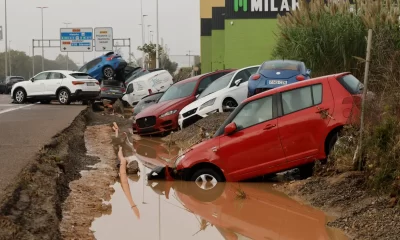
(321, 110)
(269, 126)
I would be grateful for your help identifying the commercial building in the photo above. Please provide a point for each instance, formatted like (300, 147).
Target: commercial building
(239, 33)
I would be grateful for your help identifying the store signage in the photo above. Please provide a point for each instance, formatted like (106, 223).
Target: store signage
(258, 8)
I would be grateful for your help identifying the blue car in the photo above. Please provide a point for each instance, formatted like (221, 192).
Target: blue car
(276, 73)
(108, 66)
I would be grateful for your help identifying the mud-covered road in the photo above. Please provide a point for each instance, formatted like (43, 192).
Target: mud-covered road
(24, 130)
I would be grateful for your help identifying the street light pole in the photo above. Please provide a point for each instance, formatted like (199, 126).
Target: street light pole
(148, 28)
(5, 39)
(9, 56)
(142, 20)
(66, 25)
(157, 53)
(42, 8)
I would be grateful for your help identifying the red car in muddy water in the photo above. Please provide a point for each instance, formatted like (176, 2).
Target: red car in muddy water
(284, 128)
(163, 116)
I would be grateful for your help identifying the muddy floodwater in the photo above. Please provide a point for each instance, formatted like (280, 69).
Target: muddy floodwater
(184, 210)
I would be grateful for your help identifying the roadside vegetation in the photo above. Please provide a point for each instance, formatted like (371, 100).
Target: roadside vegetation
(332, 38)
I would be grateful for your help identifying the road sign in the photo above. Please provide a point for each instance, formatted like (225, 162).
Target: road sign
(103, 39)
(76, 39)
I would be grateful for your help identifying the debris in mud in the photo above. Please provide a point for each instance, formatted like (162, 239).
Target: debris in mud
(132, 167)
(85, 201)
(205, 128)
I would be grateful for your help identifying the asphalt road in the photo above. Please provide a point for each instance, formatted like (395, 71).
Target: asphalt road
(24, 129)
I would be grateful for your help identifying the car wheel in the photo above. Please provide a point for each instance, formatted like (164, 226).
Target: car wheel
(108, 72)
(64, 97)
(229, 104)
(20, 95)
(45, 101)
(209, 184)
(306, 170)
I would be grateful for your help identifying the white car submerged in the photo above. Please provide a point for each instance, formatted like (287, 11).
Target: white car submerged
(223, 95)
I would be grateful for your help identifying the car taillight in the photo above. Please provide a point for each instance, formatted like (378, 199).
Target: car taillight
(77, 82)
(150, 92)
(256, 77)
(104, 89)
(122, 89)
(110, 58)
(97, 83)
(300, 78)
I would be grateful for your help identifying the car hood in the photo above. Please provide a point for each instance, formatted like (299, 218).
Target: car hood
(200, 101)
(163, 107)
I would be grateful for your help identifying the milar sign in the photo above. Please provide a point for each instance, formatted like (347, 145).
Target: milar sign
(258, 8)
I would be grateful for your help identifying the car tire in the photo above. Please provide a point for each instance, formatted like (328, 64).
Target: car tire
(306, 170)
(85, 102)
(45, 101)
(108, 72)
(19, 96)
(228, 104)
(211, 188)
(64, 97)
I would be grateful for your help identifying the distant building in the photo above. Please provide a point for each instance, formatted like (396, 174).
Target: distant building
(239, 33)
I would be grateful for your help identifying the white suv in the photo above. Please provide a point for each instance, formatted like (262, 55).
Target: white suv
(64, 86)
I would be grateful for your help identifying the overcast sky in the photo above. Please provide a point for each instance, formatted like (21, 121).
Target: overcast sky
(179, 22)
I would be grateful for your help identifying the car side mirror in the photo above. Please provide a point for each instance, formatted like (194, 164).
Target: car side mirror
(32, 79)
(238, 82)
(230, 128)
(308, 72)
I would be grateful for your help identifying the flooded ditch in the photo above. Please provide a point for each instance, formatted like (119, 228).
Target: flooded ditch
(74, 191)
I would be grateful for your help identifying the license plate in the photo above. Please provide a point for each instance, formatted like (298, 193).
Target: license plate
(277, 82)
(114, 91)
(90, 84)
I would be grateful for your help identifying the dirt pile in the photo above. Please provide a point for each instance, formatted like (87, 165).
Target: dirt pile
(33, 209)
(360, 214)
(193, 134)
(85, 201)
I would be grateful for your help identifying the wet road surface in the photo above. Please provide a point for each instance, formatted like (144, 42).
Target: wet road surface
(184, 210)
(24, 129)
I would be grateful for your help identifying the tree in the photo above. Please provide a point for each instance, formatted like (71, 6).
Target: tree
(168, 65)
(150, 51)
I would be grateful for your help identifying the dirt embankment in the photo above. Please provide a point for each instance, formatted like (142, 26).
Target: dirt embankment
(194, 133)
(33, 209)
(361, 214)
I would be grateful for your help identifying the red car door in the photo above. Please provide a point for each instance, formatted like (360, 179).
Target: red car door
(306, 112)
(255, 146)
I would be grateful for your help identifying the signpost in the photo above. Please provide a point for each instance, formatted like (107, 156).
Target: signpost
(1, 33)
(76, 39)
(103, 39)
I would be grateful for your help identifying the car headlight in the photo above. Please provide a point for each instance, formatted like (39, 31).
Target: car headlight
(207, 104)
(168, 113)
(179, 159)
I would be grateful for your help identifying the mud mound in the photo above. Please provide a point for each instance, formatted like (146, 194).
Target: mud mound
(360, 213)
(194, 133)
(33, 209)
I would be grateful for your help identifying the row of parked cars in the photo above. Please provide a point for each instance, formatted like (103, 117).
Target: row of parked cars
(285, 120)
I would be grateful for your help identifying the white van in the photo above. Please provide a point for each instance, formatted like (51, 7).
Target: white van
(147, 84)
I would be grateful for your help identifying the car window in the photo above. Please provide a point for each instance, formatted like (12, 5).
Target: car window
(241, 75)
(217, 85)
(301, 98)
(178, 91)
(281, 65)
(41, 76)
(252, 70)
(204, 84)
(351, 84)
(254, 112)
(55, 75)
(130, 88)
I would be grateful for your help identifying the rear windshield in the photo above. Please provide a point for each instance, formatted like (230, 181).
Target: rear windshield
(17, 79)
(178, 91)
(81, 76)
(280, 65)
(351, 84)
(111, 83)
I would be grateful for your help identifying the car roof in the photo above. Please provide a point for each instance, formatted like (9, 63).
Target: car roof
(195, 78)
(148, 75)
(283, 60)
(294, 86)
(62, 71)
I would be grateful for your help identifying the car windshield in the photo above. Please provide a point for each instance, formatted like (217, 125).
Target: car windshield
(179, 91)
(280, 65)
(218, 84)
(146, 101)
(81, 76)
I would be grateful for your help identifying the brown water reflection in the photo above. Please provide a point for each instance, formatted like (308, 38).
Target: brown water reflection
(181, 210)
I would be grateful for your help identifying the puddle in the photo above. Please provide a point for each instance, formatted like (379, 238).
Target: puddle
(182, 210)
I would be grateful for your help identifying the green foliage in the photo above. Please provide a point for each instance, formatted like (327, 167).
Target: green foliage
(168, 65)
(151, 48)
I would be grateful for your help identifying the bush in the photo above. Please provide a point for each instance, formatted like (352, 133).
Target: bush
(331, 38)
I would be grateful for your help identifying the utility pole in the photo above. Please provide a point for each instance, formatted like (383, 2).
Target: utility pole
(42, 8)
(9, 56)
(66, 25)
(142, 20)
(157, 33)
(148, 28)
(5, 39)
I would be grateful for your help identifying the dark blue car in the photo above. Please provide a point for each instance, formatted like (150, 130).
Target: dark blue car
(276, 73)
(105, 67)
